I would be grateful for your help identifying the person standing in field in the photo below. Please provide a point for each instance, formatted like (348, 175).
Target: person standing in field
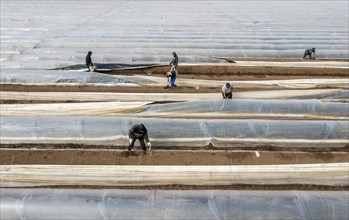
(90, 66)
(227, 91)
(174, 71)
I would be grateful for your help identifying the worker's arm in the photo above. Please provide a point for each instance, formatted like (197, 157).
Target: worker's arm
(146, 138)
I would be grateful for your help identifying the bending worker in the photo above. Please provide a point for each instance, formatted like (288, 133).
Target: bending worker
(227, 91)
(138, 132)
(309, 52)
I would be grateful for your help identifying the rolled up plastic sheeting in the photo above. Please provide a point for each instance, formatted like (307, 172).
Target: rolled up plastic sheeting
(327, 94)
(171, 204)
(169, 132)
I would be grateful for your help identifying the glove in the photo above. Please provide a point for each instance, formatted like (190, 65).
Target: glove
(149, 145)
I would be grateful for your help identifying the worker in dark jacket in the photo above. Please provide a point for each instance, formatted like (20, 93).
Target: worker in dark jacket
(310, 53)
(227, 91)
(138, 132)
(89, 63)
(174, 61)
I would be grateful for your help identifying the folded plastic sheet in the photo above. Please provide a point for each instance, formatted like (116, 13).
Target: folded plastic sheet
(149, 31)
(171, 204)
(168, 132)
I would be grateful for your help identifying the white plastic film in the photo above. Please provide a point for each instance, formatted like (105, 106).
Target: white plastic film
(328, 94)
(60, 77)
(43, 77)
(171, 204)
(168, 132)
(235, 108)
(44, 35)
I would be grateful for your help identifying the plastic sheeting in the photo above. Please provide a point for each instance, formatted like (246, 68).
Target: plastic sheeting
(168, 132)
(251, 108)
(60, 77)
(237, 108)
(324, 174)
(322, 64)
(170, 204)
(43, 77)
(328, 94)
(42, 35)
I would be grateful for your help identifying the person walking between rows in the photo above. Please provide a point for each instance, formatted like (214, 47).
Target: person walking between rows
(310, 53)
(138, 132)
(90, 66)
(227, 91)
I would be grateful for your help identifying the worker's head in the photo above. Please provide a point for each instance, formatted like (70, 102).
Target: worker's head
(174, 54)
(227, 85)
(89, 53)
(142, 128)
(313, 49)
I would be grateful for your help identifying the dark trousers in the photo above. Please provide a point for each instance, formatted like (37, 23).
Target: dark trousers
(133, 139)
(173, 80)
(307, 54)
(227, 95)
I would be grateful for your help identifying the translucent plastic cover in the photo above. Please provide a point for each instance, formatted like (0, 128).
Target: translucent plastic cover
(59, 77)
(43, 77)
(184, 204)
(168, 132)
(53, 34)
(236, 108)
(327, 94)
(251, 107)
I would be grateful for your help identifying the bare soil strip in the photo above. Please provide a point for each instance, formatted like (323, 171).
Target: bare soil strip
(164, 157)
(240, 72)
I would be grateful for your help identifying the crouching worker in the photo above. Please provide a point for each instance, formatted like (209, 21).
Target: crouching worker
(168, 76)
(310, 53)
(171, 77)
(227, 91)
(138, 132)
